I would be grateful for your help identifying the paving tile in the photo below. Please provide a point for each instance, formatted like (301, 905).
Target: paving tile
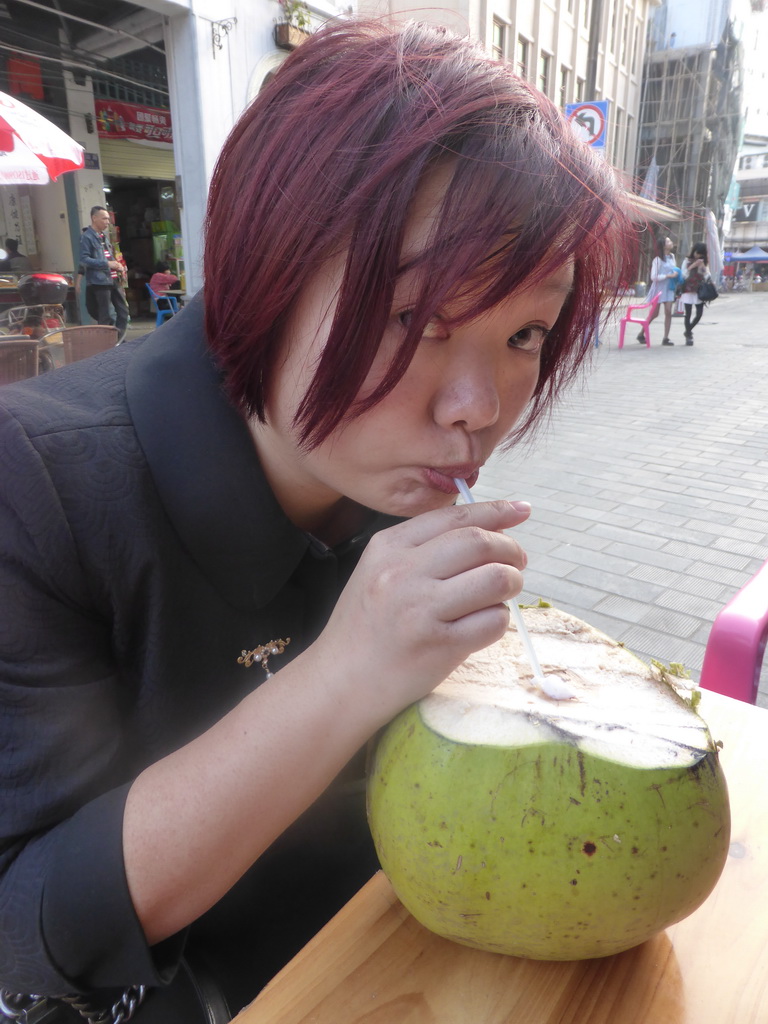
(677, 624)
(549, 563)
(733, 499)
(635, 502)
(623, 608)
(728, 577)
(596, 559)
(671, 531)
(706, 514)
(690, 604)
(533, 543)
(598, 515)
(650, 643)
(742, 547)
(718, 530)
(610, 626)
(706, 554)
(701, 636)
(566, 535)
(615, 583)
(712, 589)
(649, 557)
(574, 522)
(747, 523)
(736, 510)
(551, 588)
(655, 574)
(637, 535)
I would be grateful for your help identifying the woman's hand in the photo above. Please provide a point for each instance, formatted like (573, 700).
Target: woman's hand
(425, 595)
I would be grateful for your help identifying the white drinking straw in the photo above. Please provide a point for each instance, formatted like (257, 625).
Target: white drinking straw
(552, 686)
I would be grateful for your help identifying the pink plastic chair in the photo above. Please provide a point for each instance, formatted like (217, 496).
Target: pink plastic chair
(736, 644)
(632, 317)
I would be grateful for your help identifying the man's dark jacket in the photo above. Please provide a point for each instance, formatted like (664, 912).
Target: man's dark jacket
(92, 258)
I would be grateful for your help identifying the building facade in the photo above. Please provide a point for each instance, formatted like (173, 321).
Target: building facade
(748, 225)
(746, 222)
(691, 114)
(574, 51)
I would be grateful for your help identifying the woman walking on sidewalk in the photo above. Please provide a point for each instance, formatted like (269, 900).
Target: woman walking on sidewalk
(664, 277)
(695, 270)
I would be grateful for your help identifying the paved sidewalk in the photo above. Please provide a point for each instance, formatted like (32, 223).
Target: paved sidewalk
(650, 487)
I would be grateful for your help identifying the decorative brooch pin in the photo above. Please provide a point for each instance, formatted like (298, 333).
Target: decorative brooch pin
(261, 655)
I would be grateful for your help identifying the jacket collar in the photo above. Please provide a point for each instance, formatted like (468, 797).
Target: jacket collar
(204, 464)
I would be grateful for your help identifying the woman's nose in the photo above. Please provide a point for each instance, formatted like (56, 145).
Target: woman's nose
(469, 398)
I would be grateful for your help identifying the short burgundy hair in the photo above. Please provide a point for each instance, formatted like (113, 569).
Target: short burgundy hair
(327, 160)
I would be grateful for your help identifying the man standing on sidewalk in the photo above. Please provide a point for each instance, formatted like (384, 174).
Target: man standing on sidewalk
(101, 272)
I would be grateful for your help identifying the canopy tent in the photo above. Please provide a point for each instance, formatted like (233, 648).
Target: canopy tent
(753, 255)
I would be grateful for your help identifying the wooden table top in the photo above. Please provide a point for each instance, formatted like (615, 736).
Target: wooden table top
(374, 964)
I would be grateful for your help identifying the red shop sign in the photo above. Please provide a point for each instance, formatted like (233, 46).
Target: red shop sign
(117, 120)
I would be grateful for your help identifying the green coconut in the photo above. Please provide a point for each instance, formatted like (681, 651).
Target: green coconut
(550, 829)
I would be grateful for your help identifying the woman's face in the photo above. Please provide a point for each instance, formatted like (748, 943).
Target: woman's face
(464, 390)
(668, 245)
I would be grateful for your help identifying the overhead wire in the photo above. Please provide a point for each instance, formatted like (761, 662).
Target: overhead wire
(93, 24)
(83, 66)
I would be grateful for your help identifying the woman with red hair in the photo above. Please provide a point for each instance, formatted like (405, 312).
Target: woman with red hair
(421, 249)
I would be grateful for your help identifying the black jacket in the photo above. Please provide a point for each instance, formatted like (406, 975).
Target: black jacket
(140, 551)
(93, 260)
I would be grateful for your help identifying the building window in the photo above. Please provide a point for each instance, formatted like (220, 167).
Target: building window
(564, 79)
(625, 39)
(635, 47)
(523, 50)
(544, 64)
(617, 134)
(627, 140)
(586, 13)
(765, 159)
(499, 40)
(615, 18)
(579, 90)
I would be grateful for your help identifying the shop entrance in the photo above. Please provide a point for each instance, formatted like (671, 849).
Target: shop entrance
(148, 232)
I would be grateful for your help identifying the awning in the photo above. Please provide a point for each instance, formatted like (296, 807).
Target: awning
(646, 209)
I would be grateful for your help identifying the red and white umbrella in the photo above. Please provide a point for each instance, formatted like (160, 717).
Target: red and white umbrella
(33, 151)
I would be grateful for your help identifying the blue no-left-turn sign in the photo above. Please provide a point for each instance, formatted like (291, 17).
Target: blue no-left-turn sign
(589, 121)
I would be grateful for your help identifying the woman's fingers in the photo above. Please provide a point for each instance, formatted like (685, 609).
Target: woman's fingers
(484, 587)
(465, 549)
(488, 515)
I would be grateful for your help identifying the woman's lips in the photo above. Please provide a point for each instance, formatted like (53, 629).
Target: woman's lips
(442, 479)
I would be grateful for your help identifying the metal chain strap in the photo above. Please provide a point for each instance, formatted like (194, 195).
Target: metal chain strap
(17, 1008)
(119, 1013)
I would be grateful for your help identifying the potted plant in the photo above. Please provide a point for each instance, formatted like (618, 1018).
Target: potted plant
(293, 27)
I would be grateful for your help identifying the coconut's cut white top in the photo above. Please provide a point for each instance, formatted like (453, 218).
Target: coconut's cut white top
(622, 711)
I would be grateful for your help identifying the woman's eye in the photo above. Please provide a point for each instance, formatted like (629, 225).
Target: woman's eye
(435, 328)
(529, 339)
